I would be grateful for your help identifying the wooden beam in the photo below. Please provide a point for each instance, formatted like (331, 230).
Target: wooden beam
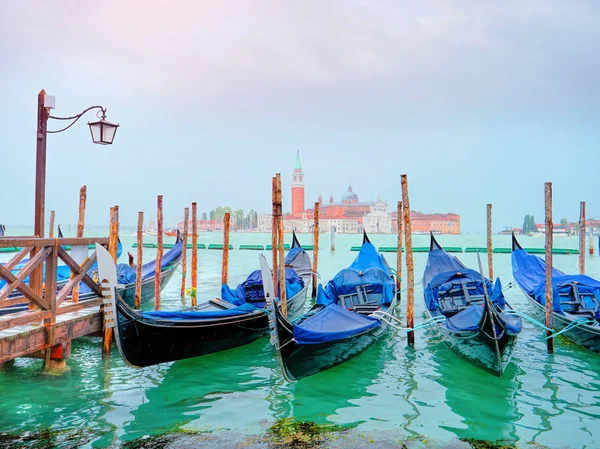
(549, 228)
(33, 340)
(82, 276)
(67, 307)
(410, 271)
(16, 282)
(137, 298)
(186, 220)
(159, 251)
(77, 270)
(20, 318)
(17, 258)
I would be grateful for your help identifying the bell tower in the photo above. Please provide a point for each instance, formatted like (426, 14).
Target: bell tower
(297, 189)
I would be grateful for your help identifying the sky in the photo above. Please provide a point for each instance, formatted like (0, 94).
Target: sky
(476, 101)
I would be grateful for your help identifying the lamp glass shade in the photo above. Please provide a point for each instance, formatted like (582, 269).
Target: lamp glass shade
(103, 132)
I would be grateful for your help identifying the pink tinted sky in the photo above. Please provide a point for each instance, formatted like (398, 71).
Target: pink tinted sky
(214, 97)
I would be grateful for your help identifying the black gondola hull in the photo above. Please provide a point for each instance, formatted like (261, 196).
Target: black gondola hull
(478, 348)
(584, 335)
(145, 342)
(303, 360)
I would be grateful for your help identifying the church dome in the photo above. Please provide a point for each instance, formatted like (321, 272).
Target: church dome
(349, 195)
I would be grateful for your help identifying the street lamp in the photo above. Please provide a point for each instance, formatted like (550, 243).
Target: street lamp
(102, 131)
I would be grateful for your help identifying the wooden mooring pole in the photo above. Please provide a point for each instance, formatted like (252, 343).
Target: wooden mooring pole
(549, 299)
(80, 228)
(159, 251)
(410, 272)
(582, 237)
(333, 229)
(194, 252)
(137, 301)
(315, 266)
(592, 241)
(51, 230)
(113, 239)
(281, 244)
(186, 220)
(225, 267)
(489, 243)
(274, 234)
(399, 253)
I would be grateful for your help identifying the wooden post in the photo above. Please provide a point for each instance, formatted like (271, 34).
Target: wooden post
(80, 228)
(592, 241)
(186, 219)
(582, 237)
(225, 267)
(489, 243)
(36, 277)
(274, 234)
(548, 230)
(410, 271)
(113, 240)
(281, 242)
(137, 301)
(399, 258)
(315, 266)
(333, 238)
(159, 250)
(194, 253)
(51, 230)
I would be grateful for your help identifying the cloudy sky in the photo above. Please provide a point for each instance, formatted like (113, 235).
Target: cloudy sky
(476, 101)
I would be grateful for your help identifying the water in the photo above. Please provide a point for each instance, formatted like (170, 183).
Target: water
(551, 400)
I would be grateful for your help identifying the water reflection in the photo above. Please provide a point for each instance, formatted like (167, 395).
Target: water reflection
(486, 404)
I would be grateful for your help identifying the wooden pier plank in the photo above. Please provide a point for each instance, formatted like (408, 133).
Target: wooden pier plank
(20, 341)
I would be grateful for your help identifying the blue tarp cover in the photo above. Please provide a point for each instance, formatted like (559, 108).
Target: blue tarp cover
(530, 273)
(443, 270)
(199, 314)
(293, 283)
(332, 323)
(369, 267)
(468, 320)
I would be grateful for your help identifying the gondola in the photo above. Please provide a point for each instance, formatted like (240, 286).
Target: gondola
(476, 326)
(125, 278)
(150, 338)
(576, 298)
(344, 321)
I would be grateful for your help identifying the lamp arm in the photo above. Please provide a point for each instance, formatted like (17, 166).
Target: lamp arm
(75, 118)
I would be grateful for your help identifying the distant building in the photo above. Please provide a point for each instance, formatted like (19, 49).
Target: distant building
(438, 223)
(349, 215)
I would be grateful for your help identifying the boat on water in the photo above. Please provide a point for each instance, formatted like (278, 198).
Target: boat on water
(476, 326)
(345, 320)
(125, 280)
(150, 338)
(575, 302)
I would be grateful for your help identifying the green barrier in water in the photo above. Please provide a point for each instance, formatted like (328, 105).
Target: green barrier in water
(471, 249)
(285, 246)
(10, 250)
(253, 247)
(388, 249)
(502, 250)
(217, 246)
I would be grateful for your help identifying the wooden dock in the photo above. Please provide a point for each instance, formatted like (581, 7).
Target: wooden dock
(53, 318)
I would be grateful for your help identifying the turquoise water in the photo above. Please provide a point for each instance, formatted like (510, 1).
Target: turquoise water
(426, 390)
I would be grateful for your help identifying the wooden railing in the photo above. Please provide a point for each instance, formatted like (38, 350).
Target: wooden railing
(45, 300)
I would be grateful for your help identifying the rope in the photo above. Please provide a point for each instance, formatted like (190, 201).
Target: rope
(528, 318)
(578, 322)
(380, 314)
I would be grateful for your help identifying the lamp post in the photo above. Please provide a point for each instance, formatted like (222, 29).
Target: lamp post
(102, 132)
